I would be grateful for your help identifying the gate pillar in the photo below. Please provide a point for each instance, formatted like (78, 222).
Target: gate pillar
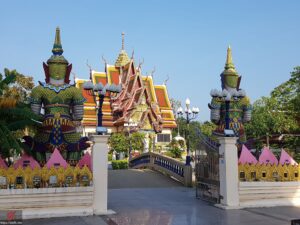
(228, 171)
(99, 155)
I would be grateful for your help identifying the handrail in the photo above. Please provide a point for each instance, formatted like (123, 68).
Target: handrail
(164, 164)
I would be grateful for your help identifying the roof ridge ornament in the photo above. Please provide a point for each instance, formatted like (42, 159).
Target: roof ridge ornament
(123, 40)
(123, 58)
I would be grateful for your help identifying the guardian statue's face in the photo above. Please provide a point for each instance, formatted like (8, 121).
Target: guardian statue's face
(57, 71)
(231, 81)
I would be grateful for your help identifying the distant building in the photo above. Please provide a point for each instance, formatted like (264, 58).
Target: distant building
(140, 101)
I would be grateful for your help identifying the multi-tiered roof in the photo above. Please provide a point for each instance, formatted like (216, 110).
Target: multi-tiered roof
(140, 100)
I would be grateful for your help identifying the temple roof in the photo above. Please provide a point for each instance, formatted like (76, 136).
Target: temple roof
(138, 94)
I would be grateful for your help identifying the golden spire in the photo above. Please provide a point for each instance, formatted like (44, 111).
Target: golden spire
(229, 66)
(123, 58)
(57, 47)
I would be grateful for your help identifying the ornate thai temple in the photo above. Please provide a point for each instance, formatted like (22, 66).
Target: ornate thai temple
(140, 101)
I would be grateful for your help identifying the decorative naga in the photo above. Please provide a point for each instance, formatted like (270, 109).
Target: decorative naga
(62, 109)
(230, 108)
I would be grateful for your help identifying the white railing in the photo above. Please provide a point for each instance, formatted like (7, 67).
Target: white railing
(164, 164)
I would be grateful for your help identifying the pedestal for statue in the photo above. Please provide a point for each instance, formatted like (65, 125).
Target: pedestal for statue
(99, 153)
(228, 172)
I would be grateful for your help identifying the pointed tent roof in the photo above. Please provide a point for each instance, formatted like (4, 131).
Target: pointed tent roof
(2, 163)
(86, 160)
(26, 160)
(123, 58)
(267, 157)
(285, 158)
(246, 156)
(56, 159)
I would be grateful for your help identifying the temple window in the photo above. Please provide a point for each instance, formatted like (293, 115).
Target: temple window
(264, 174)
(163, 137)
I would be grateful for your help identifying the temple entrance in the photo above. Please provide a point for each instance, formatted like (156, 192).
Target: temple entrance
(207, 169)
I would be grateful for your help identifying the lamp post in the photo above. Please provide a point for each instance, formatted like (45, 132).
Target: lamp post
(190, 114)
(130, 124)
(228, 96)
(99, 90)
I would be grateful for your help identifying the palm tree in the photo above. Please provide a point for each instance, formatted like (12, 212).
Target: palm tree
(14, 115)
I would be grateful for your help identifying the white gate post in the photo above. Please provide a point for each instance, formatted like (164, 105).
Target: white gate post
(99, 155)
(228, 171)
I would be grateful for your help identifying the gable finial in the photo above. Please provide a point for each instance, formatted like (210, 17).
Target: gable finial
(123, 37)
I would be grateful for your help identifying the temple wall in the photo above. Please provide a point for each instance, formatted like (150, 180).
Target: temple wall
(271, 185)
(267, 194)
(49, 202)
(65, 201)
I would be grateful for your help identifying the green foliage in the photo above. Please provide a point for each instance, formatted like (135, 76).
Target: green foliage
(119, 164)
(109, 157)
(278, 114)
(206, 128)
(137, 141)
(16, 85)
(15, 115)
(118, 142)
(175, 148)
(175, 152)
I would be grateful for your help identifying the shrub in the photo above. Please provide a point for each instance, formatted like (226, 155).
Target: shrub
(109, 157)
(119, 164)
(175, 152)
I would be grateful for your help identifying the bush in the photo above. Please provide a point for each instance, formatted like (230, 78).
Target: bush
(109, 157)
(176, 152)
(119, 164)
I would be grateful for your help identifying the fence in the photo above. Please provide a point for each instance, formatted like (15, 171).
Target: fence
(164, 164)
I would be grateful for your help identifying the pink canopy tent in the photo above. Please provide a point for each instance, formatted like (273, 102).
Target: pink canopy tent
(246, 156)
(285, 158)
(2, 163)
(86, 160)
(267, 157)
(56, 160)
(26, 160)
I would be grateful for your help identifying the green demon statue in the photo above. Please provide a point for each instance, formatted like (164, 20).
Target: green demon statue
(62, 107)
(230, 108)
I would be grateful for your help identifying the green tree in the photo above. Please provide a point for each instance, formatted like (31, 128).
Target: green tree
(118, 142)
(278, 114)
(15, 115)
(137, 141)
(20, 88)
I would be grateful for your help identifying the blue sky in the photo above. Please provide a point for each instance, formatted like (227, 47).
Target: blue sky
(185, 40)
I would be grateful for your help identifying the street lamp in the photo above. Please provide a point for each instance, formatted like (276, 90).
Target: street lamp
(99, 90)
(130, 125)
(190, 114)
(228, 96)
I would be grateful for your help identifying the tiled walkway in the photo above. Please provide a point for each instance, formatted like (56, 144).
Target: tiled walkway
(168, 203)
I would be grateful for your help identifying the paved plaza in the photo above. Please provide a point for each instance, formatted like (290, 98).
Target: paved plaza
(168, 203)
